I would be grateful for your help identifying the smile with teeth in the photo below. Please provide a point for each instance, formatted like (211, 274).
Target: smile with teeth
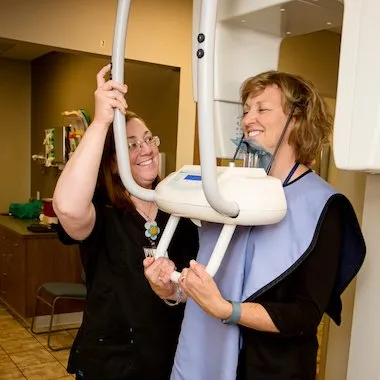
(254, 133)
(146, 163)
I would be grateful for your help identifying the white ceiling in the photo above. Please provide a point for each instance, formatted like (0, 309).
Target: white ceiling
(295, 17)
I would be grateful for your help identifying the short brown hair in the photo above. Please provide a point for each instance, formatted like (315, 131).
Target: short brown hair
(313, 121)
(109, 185)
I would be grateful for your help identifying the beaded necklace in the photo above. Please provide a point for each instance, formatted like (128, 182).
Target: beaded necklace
(151, 228)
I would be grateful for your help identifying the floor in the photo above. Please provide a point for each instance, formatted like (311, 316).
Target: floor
(24, 355)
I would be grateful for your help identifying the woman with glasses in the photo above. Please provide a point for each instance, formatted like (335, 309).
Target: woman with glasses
(128, 332)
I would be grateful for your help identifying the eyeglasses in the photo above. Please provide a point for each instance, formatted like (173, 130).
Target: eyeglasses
(150, 141)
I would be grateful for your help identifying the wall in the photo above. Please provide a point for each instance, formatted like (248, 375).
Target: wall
(63, 81)
(316, 57)
(159, 31)
(15, 153)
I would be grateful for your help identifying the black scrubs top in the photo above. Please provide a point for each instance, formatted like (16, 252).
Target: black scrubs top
(128, 332)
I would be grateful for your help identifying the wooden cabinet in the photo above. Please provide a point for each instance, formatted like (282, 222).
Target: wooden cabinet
(27, 260)
(12, 251)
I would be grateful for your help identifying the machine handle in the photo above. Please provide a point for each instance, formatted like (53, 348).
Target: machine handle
(217, 254)
(120, 133)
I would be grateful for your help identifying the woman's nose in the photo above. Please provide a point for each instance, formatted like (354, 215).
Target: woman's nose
(251, 115)
(145, 148)
(249, 118)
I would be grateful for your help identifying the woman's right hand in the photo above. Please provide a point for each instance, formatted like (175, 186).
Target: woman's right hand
(109, 95)
(158, 273)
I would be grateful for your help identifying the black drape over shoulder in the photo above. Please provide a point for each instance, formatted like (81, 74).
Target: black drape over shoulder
(296, 303)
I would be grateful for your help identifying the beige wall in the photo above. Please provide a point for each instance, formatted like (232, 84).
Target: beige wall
(15, 154)
(316, 57)
(158, 32)
(63, 81)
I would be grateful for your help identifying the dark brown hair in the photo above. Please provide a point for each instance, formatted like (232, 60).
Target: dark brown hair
(313, 121)
(109, 185)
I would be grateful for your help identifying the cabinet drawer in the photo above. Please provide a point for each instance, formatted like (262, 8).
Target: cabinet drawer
(11, 242)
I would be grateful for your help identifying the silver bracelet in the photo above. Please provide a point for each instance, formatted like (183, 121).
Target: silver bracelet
(179, 295)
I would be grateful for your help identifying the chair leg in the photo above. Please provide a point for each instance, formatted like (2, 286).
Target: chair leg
(50, 329)
(35, 311)
(51, 324)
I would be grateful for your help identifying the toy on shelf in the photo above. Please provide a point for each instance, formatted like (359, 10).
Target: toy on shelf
(61, 142)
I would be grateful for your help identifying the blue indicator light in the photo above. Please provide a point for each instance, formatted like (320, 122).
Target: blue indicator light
(192, 177)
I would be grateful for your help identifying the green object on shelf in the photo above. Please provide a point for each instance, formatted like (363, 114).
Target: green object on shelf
(31, 210)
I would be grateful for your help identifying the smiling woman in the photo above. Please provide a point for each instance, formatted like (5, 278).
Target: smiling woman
(276, 281)
(269, 99)
(143, 151)
(125, 325)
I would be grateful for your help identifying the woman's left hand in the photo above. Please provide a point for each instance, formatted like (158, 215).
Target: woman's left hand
(200, 286)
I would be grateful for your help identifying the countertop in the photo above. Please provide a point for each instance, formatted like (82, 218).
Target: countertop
(19, 226)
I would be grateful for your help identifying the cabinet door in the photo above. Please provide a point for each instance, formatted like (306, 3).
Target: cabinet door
(3, 259)
(15, 282)
(13, 270)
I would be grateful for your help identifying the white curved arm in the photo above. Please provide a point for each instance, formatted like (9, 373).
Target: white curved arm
(205, 96)
(165, 240)
(120, 132)
(220, 249)
(166, 237)
(217, 254)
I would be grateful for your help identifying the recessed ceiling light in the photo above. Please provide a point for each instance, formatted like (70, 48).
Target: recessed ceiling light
(288, 33)
(282, 9)
(242, 20)
(328, 23)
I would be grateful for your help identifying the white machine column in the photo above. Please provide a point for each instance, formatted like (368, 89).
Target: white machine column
(244, 46)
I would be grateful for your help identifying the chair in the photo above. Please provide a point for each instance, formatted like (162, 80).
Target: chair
(58, 291)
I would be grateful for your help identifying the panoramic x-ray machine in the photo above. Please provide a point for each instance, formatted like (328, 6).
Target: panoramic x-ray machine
(235, 39)
(228, 195)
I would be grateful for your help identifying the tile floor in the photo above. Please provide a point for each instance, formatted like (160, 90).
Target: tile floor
(24, 355)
